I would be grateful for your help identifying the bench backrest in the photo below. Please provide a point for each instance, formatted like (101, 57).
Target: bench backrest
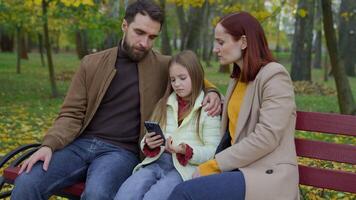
(333, 124)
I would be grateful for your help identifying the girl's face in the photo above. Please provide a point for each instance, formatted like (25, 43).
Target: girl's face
(226, 48)
(180, 80)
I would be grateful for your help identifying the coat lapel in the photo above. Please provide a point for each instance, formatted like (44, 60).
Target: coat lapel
(245, 110)
(108, 73)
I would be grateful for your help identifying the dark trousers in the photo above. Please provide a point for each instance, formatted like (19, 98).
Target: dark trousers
(227, 185)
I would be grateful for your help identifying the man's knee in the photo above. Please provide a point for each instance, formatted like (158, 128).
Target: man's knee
(26, 182)
(27, 186)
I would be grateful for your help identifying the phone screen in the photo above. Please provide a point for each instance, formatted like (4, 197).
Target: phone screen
(154, 127)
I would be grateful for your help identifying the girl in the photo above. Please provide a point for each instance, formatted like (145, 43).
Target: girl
(257, 158)
(192, 135)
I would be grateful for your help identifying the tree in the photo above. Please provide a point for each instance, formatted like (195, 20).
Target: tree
(318, 41)
(347, 35)
(40, 48)
(81, 41)
(6, 39)
(48, 49)
(112, 14)
(344, 94)
(207, 34)
(165, 44)
(16, 16)
(302, 41)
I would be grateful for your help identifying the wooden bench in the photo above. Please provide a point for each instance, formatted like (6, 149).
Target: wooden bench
(333, 179)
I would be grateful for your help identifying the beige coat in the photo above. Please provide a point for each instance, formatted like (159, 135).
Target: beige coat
(264, 149)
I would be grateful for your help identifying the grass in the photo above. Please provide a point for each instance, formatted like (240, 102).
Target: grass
(27, 109)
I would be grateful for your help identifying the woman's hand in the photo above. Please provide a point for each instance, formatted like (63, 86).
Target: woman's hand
(170, 147)
(153, 140)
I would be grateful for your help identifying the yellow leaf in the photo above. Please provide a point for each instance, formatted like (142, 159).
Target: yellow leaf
(302, 12)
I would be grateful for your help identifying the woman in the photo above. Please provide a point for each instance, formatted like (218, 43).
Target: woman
(192, 135)
(256, 158)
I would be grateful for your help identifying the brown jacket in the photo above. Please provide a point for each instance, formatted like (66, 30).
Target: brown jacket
(264, 149)
(89, 85)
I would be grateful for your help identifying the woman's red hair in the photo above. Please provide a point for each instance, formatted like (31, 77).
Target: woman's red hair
(257, 53)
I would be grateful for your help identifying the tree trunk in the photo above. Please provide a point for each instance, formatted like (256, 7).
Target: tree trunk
(175, 45)
(344, 94)
(81, 43)
(112, 38)
(278, 48)
(347, 35)
(18, 48)
(194, 28)
(165, 45)
(317, 47)
(24, 54)
(6, 41)
(52, 77)
(318, 41)
(40, 47)
(206, 34)
(183, 26)
(302, 41)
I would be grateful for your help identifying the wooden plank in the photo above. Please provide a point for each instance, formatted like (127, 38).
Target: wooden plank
(326, 151)
(326, 123)
(325, 178)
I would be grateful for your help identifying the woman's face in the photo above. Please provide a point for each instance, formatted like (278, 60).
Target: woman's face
(226, 48)
(180, 80)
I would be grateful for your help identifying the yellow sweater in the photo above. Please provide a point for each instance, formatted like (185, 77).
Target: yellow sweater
(233, 110)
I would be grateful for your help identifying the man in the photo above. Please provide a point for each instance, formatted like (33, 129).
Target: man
(95, 137)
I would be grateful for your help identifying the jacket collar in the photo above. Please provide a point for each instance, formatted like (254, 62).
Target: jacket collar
(173, 102)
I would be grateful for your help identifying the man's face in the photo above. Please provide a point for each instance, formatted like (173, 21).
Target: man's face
(139, 36)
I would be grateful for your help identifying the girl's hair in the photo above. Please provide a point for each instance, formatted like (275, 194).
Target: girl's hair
(257, 53)
(190, 61)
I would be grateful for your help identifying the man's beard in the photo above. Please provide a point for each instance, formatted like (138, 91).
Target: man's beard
(135, 56)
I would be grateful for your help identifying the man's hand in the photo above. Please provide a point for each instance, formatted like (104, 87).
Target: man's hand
(153, 140)
(44, 154)
(212, 102)
(173, 148)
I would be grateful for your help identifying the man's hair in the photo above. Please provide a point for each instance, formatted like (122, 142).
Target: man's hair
(144, 7)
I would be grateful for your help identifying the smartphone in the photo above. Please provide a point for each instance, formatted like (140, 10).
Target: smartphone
(154, 127)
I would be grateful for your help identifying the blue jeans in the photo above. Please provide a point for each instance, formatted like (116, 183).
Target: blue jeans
(227, 186)
(103, 166)
(152, 182)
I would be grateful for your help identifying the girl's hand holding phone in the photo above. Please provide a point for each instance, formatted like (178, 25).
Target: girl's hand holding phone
(170, 147)
(153, 140)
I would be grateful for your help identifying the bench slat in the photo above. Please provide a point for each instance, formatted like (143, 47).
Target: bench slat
(326, 151)
(325, 178)
(326, 123)
(11, 173)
